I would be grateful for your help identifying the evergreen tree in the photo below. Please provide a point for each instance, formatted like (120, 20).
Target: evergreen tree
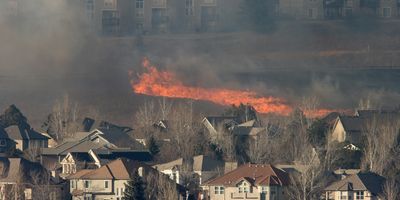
(135, 188)
(153, 147)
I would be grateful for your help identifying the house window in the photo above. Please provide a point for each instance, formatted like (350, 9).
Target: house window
(264, 189)
(87, 184)
(139, 8)
(72, 184)
(106, 184)
(243, 187)
(174, 176)
(359, 195)
(89, 9)
(219, 190)
(189, 7)
(386, 12)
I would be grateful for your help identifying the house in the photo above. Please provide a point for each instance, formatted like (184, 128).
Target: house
(204, 167)
(106, 144)
(357, 186)
(26, 138)
(32, 180)
(351, 128)
(249, 181)
(94, 159)
(213, 124)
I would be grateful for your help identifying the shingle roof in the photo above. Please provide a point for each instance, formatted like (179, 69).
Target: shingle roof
(200, 163)
(117, 137)
(75, 147)
(361, 181)
(261, 174)
(24, 133)
(120, 169)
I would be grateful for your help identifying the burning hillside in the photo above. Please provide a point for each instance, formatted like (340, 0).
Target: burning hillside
(163, 83)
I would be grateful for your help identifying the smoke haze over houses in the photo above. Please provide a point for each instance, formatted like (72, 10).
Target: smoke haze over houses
(48, 49)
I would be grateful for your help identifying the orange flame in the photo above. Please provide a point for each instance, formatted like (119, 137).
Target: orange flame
(166, 84)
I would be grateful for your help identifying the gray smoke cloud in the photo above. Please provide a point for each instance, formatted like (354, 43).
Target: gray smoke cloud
(48, 50)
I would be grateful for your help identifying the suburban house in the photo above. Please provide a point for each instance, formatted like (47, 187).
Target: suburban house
(204, 167)
(213, 124)
(31, 179)
(86, 147)
(249, 181)
(351, 128)
(26, 138)
(357, 186)
(94, 159)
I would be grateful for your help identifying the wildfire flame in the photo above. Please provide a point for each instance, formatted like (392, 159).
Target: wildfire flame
(166, 84)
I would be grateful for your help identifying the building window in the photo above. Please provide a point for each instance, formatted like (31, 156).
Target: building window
(264, 189)
(243, 187)
(189, 7)
(89, 6)
(359, 195)
(110, 21)
(110, 4)
(139, 8)
(386, 12)
(106, 184)
(160, 3)
(87, 184)
(219, 190)
(72, 184)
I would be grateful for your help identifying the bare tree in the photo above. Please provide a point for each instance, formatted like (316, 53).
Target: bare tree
(225, 141)
(391, 190)
(165, 108)
(41, 184)
(185, 130)
(146, 117)
(307, 183)
(64, 119)
(162, 187)
(381, 140)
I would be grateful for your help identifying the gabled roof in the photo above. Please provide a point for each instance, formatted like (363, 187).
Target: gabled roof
(76, 147)
(24, 133)
(120, 169)
(224, 120)
(117, 137)
(361, 181)
(250, 123)
(352, 124)
(261, 174)
(17, 169)
(200, 163)
(248, 131)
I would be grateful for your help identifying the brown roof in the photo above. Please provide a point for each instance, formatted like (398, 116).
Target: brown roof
(257, 174)
(120, 169)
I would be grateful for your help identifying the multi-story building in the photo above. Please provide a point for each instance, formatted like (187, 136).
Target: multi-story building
(249, 181)
(366, 186)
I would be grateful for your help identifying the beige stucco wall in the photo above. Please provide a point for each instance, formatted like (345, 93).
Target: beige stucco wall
(98, 191)
(231, 193)
(336, 195)
(338, 133)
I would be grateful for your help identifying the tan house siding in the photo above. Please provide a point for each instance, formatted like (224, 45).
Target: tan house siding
(232, 193)
(338, 133)
(351, 195)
